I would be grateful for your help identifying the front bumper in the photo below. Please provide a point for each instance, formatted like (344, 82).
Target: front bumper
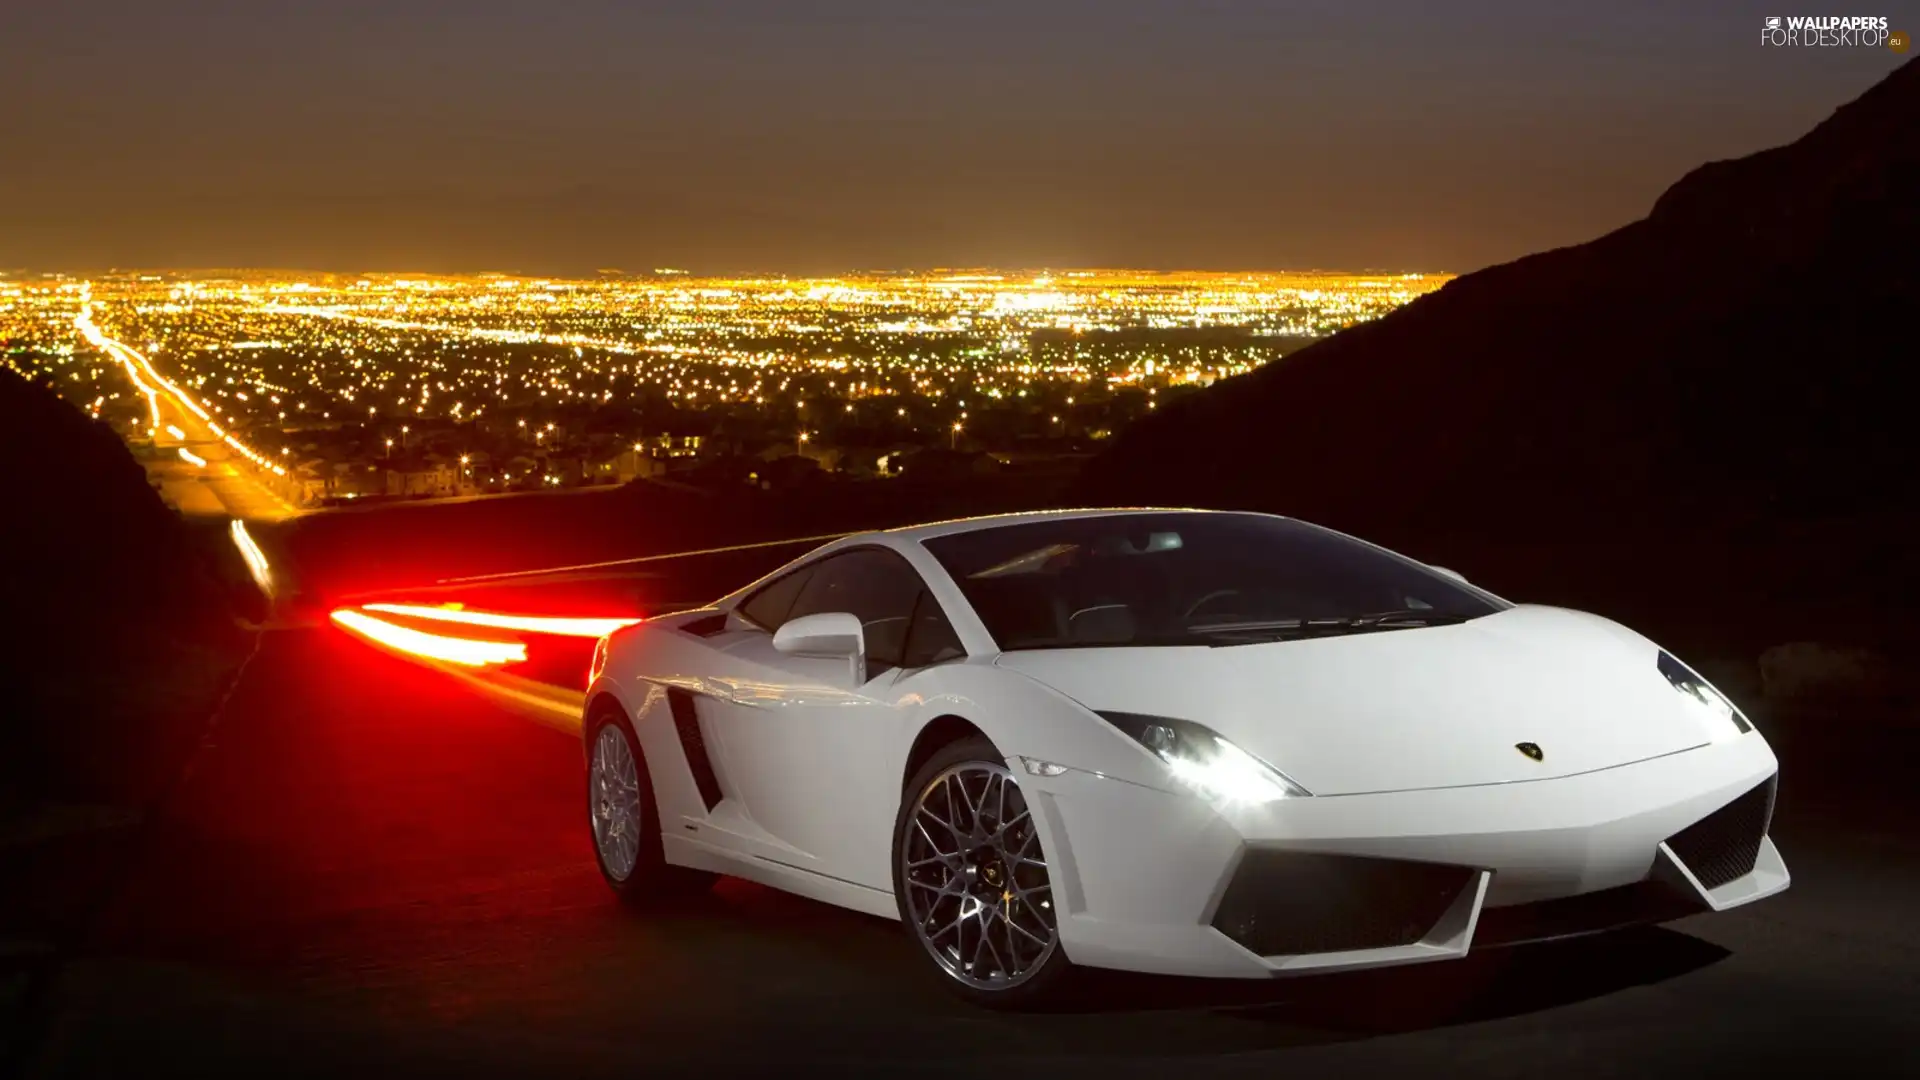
(1147, 880)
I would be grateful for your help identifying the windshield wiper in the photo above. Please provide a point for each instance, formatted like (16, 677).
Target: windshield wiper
(1269, 629)
(1409, 617)
(1261, 626)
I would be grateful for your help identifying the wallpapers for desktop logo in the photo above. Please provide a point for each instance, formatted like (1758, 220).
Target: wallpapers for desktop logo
(1831, 31)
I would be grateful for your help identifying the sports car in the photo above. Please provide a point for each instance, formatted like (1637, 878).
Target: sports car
(1188, 742)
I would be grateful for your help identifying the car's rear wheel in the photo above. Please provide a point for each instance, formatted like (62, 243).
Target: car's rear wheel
(624, 819)
(972, 881)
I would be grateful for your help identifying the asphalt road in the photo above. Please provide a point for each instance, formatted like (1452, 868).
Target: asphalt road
(225, 486)
(378, 870)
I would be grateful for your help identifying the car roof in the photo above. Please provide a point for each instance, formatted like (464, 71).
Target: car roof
(915, 533)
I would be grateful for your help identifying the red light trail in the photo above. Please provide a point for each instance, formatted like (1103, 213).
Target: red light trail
(537, 624)
(466, 651)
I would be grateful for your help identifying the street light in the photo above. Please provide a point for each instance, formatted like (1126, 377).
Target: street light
(956, 435)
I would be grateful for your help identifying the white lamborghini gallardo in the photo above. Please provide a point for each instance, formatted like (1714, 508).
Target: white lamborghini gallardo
(1187, 742)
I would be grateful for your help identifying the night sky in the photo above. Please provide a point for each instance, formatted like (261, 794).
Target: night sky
(809, 137)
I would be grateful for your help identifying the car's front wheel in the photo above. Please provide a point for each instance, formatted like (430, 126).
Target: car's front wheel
(625, 819)
(972, 881)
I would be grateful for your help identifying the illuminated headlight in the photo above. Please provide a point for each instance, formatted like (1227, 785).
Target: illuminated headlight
(1204, 761)
(1685, 680)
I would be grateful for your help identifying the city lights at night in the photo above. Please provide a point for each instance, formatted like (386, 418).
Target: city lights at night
(327, 388)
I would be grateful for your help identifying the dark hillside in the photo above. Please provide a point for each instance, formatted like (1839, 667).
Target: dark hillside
(1704, 412)
(121, 616)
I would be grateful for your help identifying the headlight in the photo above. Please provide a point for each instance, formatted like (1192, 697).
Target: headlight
(1206, 762)
(1685, 680)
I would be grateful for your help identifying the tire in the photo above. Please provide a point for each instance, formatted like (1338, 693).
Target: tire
(626, 845)
(983, 873)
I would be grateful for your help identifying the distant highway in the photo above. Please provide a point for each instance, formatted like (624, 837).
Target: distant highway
(210, 471)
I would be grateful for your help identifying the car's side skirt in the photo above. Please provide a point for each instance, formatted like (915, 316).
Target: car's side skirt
(690, 851)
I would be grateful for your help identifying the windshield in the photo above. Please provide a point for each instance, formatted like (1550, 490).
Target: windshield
(1190, 579)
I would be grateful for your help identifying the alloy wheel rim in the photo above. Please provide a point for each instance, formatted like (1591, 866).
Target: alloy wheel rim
(978, 891)
(614, 791)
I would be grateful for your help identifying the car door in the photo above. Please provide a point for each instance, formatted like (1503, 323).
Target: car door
(808, 743)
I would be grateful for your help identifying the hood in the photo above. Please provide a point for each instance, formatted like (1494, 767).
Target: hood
(1399, 710)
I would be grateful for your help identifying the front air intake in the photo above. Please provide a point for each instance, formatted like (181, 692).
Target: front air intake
(1724, 845)
(1642, 903)
(1289, 903)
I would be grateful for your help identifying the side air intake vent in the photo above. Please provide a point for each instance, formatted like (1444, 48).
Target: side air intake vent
(686, 723)
(705, 626)
(1723, 846)
(1286, 903)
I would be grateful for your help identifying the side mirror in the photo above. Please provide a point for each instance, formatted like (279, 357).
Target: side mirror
(1454, 574)
(830, 634)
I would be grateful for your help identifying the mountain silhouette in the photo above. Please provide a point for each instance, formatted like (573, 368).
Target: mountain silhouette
(1739, 356)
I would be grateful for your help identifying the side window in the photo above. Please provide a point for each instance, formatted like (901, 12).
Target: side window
(878, 588)
(768, 608)
(930, 637)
